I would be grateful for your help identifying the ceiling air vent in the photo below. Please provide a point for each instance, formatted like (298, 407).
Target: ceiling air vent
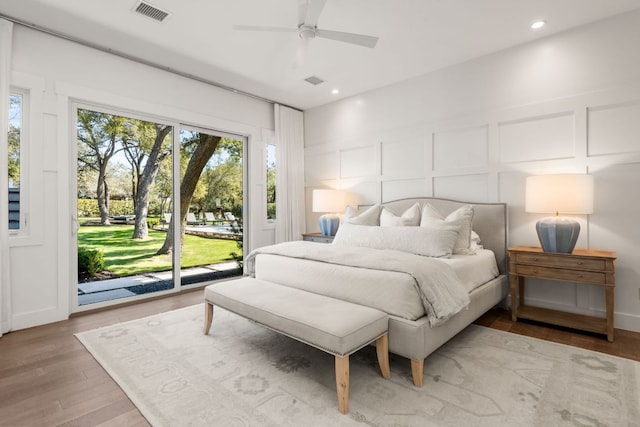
(314, 80)
(150, 11)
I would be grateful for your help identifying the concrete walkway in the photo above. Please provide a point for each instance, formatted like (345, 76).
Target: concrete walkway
(122, 287)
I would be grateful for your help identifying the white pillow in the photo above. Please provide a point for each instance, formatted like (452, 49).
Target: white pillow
(430, 240)
(461, 217)
(476, 243)
(369, 217)
(410, 217)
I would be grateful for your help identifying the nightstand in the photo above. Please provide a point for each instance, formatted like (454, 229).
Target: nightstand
(317, 237)
(583, 266)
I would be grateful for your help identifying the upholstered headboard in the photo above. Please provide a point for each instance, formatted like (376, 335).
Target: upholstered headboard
(489, 221)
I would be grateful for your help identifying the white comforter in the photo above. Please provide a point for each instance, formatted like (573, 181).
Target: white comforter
(440, 290)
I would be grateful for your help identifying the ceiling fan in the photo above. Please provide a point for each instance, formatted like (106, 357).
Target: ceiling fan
(308, 13)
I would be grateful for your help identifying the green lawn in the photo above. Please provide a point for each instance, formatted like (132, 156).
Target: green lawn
(125, 256)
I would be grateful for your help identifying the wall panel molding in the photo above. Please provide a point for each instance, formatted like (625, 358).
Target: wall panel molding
(614, 128)
(359, 162)
(461, 148)
(537, 138)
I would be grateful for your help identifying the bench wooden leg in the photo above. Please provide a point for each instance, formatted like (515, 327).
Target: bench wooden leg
(208, 317)
(342, 383)
(417, 372)
(382, 349)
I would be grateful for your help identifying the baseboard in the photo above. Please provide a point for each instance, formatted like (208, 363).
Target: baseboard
(628, 322)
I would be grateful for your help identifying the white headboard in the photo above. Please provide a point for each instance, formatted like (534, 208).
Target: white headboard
(489, 221)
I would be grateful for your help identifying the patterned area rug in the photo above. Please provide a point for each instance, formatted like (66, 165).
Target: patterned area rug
(244, 375)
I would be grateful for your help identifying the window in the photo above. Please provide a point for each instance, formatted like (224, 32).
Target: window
(15, 142)
(271, 182)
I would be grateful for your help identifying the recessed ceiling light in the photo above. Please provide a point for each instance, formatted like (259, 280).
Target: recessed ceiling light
(335, 91)
(538, 24)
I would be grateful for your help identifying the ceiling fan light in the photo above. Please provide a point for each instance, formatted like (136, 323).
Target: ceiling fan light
(307, 33)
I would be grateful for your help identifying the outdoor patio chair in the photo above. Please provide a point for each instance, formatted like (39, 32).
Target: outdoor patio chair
(191, 219)
(231, 218)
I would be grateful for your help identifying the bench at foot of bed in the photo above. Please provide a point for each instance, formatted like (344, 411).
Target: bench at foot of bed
(334, 326)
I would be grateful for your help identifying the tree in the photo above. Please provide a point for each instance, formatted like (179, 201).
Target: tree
(223, 177)
(271, 190)
(98, 138)
(160, 150)
(133, 149)
(223, 182)
(14, 140)
(204, 146)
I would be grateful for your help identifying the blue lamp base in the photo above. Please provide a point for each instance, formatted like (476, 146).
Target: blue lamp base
(558, 234)
(329, 224)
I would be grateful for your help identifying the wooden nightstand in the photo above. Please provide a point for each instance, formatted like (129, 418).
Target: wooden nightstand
(584, 266)
(317, 237)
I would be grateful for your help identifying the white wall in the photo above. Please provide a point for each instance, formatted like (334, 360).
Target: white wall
(57, 72)
(566, 103)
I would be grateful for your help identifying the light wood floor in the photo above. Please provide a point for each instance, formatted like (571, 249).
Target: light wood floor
(47, 378)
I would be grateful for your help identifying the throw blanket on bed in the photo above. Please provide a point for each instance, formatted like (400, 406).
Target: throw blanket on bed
(439, 287)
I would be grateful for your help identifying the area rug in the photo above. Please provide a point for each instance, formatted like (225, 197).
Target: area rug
(242, 374)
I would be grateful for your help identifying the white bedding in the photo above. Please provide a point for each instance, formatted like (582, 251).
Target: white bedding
(474, 270)
(391, 291)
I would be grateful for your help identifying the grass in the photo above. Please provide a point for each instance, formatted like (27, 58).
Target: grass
(125, 256)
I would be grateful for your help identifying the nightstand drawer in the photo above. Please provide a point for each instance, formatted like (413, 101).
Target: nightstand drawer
(561, 261)
(589, 277)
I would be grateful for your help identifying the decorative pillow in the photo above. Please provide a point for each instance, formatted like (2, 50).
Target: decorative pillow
(461, 217)
(434, 240)
(410, 217)
(476, 243)
(370, 216)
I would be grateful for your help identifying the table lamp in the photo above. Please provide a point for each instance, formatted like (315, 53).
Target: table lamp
(330, 202)
(560, 194)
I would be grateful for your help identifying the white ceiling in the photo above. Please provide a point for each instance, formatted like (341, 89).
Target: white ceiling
(416, 37)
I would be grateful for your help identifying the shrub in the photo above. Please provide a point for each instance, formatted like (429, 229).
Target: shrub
(271, 210)
(90, 260)
(153, 222)
(156, 206)
(89, 207)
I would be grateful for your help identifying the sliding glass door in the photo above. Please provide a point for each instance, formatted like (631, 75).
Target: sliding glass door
(211, 203)
(131, 209)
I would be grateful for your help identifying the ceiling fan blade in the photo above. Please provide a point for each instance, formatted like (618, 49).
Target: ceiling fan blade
(302, 11)
(358, 39)
(263, 28)
(314, 9)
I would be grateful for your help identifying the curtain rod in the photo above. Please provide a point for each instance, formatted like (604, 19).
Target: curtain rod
(140, 60)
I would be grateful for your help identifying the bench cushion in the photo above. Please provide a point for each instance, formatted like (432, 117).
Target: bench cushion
(335, 326)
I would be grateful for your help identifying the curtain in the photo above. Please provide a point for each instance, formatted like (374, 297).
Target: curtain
(6, 33)
(290, 198)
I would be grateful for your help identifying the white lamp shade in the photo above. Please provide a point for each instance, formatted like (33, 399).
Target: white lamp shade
(560, 193)
(328, 200)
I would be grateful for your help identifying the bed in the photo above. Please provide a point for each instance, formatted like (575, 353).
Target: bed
(414, 330)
